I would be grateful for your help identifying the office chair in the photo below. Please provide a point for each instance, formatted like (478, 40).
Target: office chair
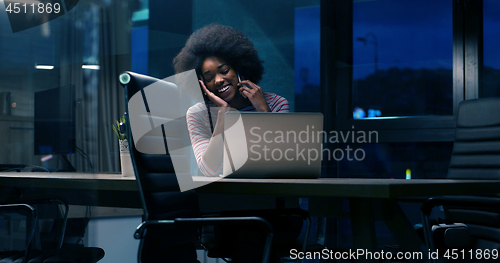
(25, 215)
(171, 219)
(476, 155)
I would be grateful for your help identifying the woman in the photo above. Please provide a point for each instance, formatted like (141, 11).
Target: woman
(228, 68)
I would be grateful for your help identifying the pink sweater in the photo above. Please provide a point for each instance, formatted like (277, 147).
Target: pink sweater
(200, 131)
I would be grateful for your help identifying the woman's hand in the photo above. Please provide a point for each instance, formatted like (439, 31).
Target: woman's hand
(219, 102)
(254, 93)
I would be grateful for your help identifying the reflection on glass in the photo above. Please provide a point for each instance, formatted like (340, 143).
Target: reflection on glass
(89, 46)
(491, 40)
(425, 160)
(307, 54)
(288, 43)
(402, 58)
(61, 53)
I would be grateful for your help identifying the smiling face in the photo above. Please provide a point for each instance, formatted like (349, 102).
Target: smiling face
(220, 78)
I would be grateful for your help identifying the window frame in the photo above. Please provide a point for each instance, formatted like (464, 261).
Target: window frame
(336, 80)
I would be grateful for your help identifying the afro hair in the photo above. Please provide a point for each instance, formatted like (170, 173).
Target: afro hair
(224, 42)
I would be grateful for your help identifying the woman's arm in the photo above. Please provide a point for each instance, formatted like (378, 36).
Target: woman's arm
(208, 148)
(213, 154)
(201, 135)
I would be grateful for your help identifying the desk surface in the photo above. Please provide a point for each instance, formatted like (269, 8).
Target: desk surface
(80, 181)
(325, 187)
(353, 187)
(364, 195)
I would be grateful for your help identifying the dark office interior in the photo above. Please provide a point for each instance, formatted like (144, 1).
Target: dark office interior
(398, 69)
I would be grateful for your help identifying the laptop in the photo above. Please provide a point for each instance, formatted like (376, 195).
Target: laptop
(272, 145)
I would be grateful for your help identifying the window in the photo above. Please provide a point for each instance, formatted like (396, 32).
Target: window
(396, 67)
(400, 68)
(491, 70)
(92, 43)
(402, 58)
(72, 53)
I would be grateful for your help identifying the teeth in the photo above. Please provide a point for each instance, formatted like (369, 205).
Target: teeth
(224, 89)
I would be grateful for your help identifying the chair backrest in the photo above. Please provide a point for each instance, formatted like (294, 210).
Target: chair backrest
(476, 155)
(476, 151)
(155, 175)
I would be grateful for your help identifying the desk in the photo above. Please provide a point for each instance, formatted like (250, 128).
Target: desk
(111, 190)
(369, 199)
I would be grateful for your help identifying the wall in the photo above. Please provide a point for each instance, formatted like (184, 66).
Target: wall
(115, 236)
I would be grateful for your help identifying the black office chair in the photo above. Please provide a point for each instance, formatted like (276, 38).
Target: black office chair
(30, 247)
(470, 222)
(171, 219)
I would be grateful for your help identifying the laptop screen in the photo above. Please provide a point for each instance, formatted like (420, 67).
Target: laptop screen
(272, 145)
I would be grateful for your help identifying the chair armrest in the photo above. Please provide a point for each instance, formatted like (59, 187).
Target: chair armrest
(52, 201)
(472, 201)
(464, 201)
(289, 212)
(140, 231)
(304, 214)
(27, 210)
(19, 208)
(419, 199)
(266, 212)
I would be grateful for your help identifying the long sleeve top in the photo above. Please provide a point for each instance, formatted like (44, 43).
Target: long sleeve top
(200, 129)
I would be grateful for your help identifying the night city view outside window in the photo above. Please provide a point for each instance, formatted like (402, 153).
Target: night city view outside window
(491, 42)
(402, 58)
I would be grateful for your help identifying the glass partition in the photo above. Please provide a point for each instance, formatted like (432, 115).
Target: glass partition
(491, 42)
(92, 42)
